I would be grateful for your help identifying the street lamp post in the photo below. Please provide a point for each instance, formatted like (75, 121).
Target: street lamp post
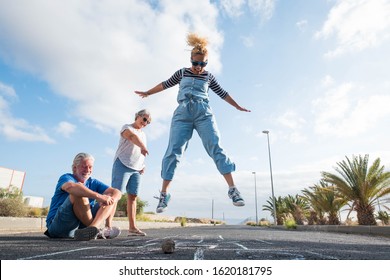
(272, 182)
(212, 211)
(257, 219)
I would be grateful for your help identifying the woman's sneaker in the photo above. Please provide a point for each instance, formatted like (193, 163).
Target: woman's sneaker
(109, 233)
(234, 194)
(163, 202)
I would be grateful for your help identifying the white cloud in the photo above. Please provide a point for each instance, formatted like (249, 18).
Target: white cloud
(7, 90)
(347, 110)
(292, 125)
(265, 8)
(291, 120)
(332, 108)
(357, 25)
(302, 24)
(18, 129)
(327, 81)
(66, 129)
(233, 8)
(248, 41)
(15, 128)
(110, 152)
(97, 53)
(43, 100)
(297, 137)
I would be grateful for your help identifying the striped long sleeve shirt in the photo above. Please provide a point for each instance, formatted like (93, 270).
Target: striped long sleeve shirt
(213, 83)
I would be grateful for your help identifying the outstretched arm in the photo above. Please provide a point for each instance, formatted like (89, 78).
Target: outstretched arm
(231, 101)
(151, 91)
(131, 136)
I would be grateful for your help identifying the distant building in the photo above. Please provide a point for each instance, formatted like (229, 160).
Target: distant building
(15, 179)
(11, 178)
(33, 201)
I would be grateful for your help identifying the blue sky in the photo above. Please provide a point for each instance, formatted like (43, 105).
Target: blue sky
(314, 73)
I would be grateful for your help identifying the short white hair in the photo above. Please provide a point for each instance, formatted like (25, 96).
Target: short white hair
(79, 158)
(142, 113)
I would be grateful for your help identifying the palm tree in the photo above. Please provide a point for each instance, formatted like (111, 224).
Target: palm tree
(383, 201)
(287, 207)
(313, 197)
(384, 217)
(332, 204)
(279, 207)
(361, 185)
(297, 207)
(324, 199)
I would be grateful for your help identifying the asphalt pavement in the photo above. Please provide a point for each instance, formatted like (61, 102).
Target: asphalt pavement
(202, 243)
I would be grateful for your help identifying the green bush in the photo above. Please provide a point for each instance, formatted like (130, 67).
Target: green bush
(11, 192)
(122, 206)
(143, 218)
(264, 223)
(290, 224)
(12, 207)
(11, 203)
(183, 221)
(383, 216)
(37, 212)
(45, 211)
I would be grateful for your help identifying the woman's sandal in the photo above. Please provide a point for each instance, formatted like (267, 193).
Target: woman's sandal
(136, 233)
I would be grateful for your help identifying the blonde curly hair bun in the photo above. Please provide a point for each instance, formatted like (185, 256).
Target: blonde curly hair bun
(197, 43)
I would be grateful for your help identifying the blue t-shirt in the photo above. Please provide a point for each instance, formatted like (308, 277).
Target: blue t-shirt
(60, 195)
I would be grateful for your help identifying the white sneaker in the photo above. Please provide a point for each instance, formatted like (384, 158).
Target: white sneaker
(163, 202)
(235, 196)
(109, 233)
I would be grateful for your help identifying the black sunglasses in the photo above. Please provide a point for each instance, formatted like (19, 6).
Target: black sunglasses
(200, 63)
(146, 120)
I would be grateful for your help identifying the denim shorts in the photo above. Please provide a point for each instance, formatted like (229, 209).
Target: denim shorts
(125, 177)
(65, 222)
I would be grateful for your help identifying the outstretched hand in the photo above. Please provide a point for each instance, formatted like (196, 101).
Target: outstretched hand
(231, 101)
(242, 109)
(142, 94)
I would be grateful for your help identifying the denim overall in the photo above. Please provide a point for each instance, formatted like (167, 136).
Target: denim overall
(192, 113)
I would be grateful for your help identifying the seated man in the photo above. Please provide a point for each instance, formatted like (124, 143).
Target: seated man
(81, 204)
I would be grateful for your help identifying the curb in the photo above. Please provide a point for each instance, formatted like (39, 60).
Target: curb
(12, 225)
(367, 230)
(371, 230)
